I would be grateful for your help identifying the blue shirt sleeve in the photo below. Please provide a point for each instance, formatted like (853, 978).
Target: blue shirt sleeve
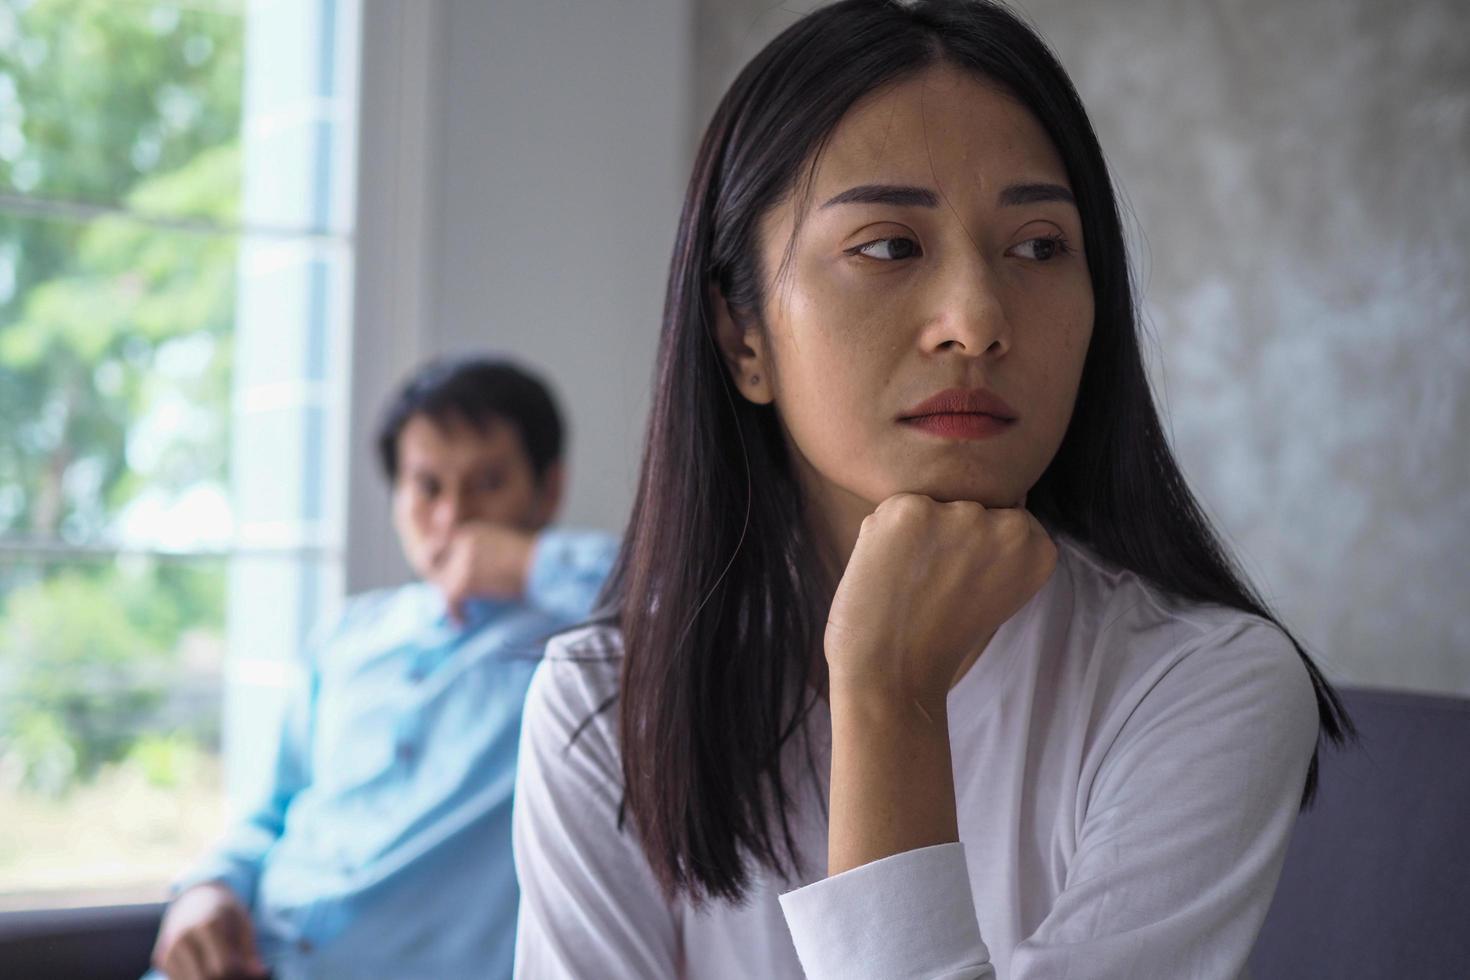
(237, 861)
(568, 569)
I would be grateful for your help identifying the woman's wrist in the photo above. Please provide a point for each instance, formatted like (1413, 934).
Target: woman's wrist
(888, 700)
(874, 706)
(892, 781)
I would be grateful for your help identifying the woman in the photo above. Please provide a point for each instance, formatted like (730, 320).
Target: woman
(922, 660)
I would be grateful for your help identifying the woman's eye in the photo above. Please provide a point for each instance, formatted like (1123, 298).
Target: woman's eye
(1041, 249)
(889, 249)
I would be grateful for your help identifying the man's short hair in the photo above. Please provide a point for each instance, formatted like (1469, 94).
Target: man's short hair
(478, 392)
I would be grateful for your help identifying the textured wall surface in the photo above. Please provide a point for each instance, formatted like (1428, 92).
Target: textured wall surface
(564, 134)
(1299, 175)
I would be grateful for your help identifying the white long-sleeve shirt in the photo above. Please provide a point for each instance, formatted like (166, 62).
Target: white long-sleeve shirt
(1127, 771)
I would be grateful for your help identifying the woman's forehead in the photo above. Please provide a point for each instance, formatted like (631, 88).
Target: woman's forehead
(943, 126)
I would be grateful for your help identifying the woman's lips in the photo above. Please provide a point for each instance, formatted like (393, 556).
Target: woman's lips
(961, 413)
(960, 425)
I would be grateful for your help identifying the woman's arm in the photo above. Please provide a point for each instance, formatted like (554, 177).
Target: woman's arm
(1189, 805)
(1189, 813)
(892, 779)
(927, 585)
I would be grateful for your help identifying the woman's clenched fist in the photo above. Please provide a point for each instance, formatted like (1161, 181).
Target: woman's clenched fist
(927, 585)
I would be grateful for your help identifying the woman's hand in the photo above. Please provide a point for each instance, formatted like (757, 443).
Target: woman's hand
(928, 583)
(926, 587)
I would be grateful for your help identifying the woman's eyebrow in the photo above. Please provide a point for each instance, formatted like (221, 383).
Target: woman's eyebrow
(902, 196)
(894, 195)
(1035, 194)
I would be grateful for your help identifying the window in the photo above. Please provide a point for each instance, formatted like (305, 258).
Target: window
(175, 262)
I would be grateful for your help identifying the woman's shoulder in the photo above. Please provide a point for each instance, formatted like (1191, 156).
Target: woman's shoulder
(1165, 684)
(1133, 631)
(599, 643)
(576, 684)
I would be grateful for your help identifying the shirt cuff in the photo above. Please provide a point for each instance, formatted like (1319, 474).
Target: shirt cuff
(908, 915)
(220, 872)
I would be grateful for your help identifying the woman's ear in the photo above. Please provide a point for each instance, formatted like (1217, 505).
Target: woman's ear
(743, 347)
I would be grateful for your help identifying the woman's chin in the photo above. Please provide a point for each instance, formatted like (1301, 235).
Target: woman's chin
(986, 493)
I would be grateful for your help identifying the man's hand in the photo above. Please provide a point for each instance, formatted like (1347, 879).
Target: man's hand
(206, 935)
(492, 561)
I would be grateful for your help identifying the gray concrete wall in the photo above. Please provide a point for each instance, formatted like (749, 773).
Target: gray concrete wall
(1300, 177)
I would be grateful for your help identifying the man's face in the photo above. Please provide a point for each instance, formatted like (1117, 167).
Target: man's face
(451, 473)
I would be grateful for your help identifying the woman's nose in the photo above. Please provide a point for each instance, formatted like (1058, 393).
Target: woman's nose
(969, 317)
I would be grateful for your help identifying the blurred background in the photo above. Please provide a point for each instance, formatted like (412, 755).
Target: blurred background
(229, 227)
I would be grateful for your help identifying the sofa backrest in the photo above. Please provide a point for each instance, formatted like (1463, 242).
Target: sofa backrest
(1377, 878)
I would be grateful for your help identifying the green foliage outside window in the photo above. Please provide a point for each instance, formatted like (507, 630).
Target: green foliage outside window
(115, 345)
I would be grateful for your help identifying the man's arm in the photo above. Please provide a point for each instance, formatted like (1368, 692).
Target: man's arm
(206, 930)
(558, 572)
(567, 571)
(236, 862)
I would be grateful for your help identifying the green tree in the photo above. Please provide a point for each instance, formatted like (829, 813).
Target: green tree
(114, 349)
(75, 703)
(106, 101)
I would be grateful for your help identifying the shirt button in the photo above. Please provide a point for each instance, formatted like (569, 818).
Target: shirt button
(304, 945)
(405, 752)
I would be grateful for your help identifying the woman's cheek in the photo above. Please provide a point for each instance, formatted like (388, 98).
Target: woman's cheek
(826, 418)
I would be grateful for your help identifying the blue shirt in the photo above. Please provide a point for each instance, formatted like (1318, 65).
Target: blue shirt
(380, 846)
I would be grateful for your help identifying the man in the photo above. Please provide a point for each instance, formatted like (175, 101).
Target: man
(381, 847)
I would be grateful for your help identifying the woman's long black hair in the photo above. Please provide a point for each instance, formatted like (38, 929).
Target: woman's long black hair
(715, 590)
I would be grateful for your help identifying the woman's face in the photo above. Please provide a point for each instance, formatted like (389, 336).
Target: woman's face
(939, 250)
